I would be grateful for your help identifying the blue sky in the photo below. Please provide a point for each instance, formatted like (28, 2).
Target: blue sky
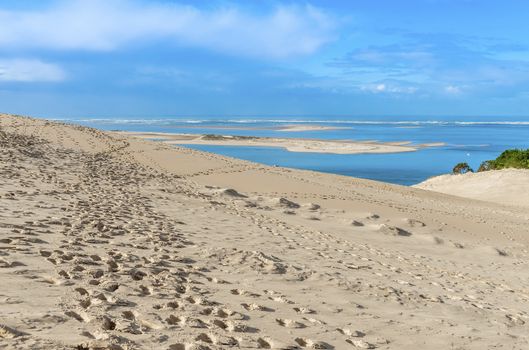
(272, 58)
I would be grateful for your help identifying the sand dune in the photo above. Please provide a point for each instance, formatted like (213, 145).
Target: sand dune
(113, 242)
(507, 186)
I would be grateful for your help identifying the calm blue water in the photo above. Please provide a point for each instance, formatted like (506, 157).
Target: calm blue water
(470, 140)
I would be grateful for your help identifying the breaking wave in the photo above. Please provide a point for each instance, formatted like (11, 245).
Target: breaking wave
(206, 121)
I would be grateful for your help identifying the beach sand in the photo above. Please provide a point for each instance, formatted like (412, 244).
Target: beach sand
(290, 144)
(506, 186)
(114, 242)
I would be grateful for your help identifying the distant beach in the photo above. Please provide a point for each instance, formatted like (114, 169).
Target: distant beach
(426, 147)
(290, 144)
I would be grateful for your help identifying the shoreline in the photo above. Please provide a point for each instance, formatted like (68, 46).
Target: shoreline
(290, 144)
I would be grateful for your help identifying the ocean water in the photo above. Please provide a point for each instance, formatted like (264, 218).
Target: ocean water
(471, 140)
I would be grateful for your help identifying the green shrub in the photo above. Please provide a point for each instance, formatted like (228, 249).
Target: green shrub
(485, 166)
(512, 158)
(462, 168)
(215, 137)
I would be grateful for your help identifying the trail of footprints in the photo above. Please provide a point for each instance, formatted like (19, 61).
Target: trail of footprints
(134, 274)
(116, 255)
(368, 258)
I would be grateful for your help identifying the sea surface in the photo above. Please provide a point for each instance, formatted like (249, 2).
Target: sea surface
(471, 140)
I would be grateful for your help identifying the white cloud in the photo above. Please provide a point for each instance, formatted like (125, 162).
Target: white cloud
(452, 90)
(111, 24)
(380, 87)
(27, 70)
(389, 89)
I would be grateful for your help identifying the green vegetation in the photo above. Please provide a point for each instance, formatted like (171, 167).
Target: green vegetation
(214, 137)
(511, 158)
(485, 166)
(462, 168)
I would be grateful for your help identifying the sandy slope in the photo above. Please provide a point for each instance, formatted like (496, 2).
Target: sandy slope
(507, 186)
(120, 243)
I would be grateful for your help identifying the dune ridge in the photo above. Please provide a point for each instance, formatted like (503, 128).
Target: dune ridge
(505, 186)
(108, 241)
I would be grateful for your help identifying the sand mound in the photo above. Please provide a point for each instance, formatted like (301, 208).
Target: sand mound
(507, 186)
(230, 192)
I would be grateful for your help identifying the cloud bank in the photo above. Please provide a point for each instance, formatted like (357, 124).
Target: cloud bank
(98, 25)
(29, 70)
(438, 64)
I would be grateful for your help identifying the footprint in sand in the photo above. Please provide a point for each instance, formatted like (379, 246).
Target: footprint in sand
(414, 223)
(224, 313)
(144, 291)
(313, 206)
(264, 343)
(176, 320)
(180, 346)
(82, 291)
(173, 305)
(107, 323)
(244, 292)
(206, 338)
(129, 315)
(216, 280)
(289, 323)
(361, 344)
(254, 306)
(393, 230)
(281, 299)
(308, 343)
(197, 323)
(149, 325)
(285, 203)
(79, 316)
(112, 287)
(351, 333)
(85, 303)
(304, 310)
(9, 333)
(226, 325)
